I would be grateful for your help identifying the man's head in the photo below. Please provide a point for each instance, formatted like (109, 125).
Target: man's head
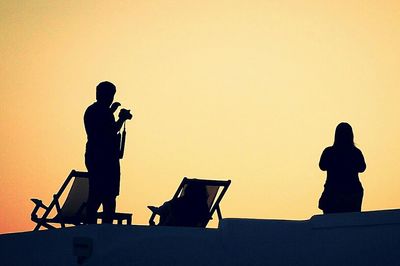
(105, 92)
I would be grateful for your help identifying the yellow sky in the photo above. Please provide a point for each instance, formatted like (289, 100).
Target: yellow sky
(244, 90)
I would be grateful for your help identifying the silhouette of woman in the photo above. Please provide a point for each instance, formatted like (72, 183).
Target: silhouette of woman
(190, 209)
(343, 161)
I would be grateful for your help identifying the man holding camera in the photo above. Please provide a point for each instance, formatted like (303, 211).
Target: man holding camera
(103, 152)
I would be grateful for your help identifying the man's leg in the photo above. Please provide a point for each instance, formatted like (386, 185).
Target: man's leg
(109, 205)
(92, 206)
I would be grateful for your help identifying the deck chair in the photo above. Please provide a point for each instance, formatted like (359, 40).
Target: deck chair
(216, 190)
(73, 211)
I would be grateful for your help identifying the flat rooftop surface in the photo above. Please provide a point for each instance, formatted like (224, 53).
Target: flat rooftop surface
(367, 238)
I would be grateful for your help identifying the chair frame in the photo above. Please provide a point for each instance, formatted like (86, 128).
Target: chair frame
(207, 182)
(45, 221)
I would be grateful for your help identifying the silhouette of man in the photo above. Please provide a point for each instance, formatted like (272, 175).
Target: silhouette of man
(102, 152)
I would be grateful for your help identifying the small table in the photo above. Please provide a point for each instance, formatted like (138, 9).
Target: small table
(119, 217)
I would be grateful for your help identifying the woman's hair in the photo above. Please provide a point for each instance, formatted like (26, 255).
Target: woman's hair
(344, 135)
(196, 191)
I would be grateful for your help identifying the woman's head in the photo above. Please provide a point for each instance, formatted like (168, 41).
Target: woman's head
(344, 135)
(196, 191)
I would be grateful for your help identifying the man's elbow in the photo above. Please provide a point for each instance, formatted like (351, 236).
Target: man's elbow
(362, 168)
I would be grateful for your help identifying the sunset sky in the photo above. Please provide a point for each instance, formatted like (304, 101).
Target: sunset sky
(244, 90)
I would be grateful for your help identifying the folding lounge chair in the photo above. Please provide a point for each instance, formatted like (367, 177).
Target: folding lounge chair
(73, 210)
(216, 190)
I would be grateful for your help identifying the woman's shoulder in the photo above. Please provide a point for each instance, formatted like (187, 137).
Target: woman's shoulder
(327, 153)
(328, 149)
(357, 150)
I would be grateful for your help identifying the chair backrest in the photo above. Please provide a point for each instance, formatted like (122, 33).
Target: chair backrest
(212, 192)
(76, 199)
(215, 191)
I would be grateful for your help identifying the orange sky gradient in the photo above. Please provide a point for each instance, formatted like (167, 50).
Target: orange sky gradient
(244, 90)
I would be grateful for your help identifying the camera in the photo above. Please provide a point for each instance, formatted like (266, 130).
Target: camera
(125, 114)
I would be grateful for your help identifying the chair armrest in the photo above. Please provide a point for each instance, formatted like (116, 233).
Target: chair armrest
(153, 215)
(39, 203)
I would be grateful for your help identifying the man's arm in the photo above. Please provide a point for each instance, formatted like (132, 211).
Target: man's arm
(118, 124)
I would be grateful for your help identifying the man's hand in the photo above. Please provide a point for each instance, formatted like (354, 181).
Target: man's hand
(115, 106)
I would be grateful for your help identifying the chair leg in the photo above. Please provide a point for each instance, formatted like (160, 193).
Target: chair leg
(37, 227)
(219, 213)
(44, 224)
